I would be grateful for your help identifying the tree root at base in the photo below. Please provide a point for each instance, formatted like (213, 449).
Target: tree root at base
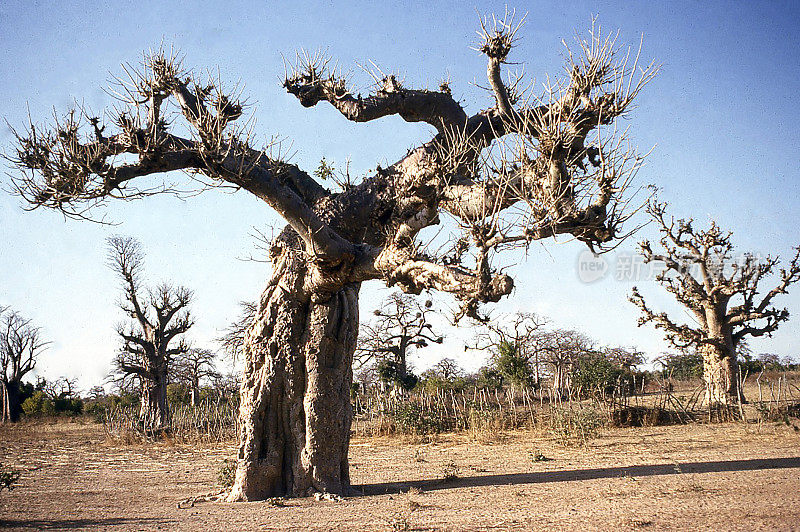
(214, 496)
(222, 496)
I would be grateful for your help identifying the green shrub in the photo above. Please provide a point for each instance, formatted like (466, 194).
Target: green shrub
(39, 405)
(8, 477)
(593, 373)
(227, 473)
(178, 394)
(412, 418)
(576, 425)
(512, 366)
(682, 366)
(389, 372)
(69, 406)
(489, 378)
(432, 382)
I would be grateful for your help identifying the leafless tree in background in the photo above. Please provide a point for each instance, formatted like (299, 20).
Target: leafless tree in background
(531, 166)
(562, 348)
(20, 344)
(61, 388)
(153, 336)
(447, 369)
(626, 358)
(721, 292)
(193, 367)
(521, 330)
(402, 326)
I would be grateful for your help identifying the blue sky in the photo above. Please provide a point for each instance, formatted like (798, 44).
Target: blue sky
(721, 115)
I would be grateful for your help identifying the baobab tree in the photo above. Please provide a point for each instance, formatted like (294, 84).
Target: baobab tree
(402, 326)
(626, 358)
(192, 367)
(20, 345)
(447, 369)
(531, 166)
(724, 295)
(153, 337)
(561, 349)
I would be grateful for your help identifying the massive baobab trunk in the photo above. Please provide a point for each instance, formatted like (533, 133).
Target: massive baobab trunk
(295, 397)
(154, 408)
(10, 396)
(721, 375)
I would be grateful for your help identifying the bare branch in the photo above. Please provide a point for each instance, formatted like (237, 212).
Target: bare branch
(312, 81)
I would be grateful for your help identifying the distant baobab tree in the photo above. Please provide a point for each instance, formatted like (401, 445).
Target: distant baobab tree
(193, 367)
(20, 345)
(531, 166)
(726, 297)
(153, 337)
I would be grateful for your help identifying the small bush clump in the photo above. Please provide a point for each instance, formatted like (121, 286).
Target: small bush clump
(227, 473)
(450, 471)
(412, 418)
(576, 425)
(39, 405)
(8, 478)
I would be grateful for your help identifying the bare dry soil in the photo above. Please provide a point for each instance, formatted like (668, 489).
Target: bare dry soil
(727, 476)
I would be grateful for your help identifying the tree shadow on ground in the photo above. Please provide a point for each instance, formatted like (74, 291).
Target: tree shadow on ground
(572, 475)
(87, 523)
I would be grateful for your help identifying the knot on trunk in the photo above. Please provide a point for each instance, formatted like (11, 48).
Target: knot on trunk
(326, 278)
(500, 285)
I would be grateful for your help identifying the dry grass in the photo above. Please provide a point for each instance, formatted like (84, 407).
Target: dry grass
(488, 416)
(208, 422)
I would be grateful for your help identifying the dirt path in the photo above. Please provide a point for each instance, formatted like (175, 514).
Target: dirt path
(681, 477)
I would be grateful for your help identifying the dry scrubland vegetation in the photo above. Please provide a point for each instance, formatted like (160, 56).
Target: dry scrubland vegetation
(75, 476)
(446, 458)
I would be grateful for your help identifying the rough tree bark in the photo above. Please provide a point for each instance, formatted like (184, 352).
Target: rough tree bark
(541, 154)
(722, 293)
(295, 397)
(153, 406)
(721, 375)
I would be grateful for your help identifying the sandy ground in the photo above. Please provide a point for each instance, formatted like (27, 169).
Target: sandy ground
(680, 477)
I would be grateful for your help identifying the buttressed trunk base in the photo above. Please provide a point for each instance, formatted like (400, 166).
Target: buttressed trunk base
(10, 402)
(154, 409)
(295, 411)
